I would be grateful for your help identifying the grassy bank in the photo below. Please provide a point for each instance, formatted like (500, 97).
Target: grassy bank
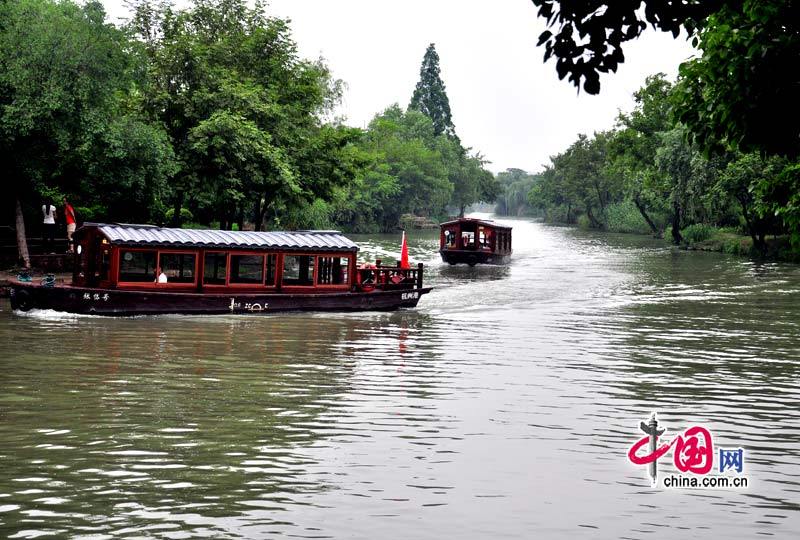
(729, 240)
(623, 217)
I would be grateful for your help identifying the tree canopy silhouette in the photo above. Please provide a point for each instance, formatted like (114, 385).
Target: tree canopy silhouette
(739, 91)
(430, 97)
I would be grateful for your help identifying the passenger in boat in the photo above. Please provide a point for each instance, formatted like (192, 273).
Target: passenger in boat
(367, 278)
(162, 277)
(486, 240)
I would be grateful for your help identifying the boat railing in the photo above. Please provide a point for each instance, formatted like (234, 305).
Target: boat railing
(383, 277)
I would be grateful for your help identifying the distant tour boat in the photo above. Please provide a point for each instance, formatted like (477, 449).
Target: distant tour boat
(142, 269)
(474, 241)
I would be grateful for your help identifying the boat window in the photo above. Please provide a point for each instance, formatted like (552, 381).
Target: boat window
(271, 263)
(178, 267)
(332, 270)
(247, 269)
(215, 268)
(105, 262)
(483, 237)
(83, 269)
(450, 237)
(298, 270)
(138, 266)
(468, 239)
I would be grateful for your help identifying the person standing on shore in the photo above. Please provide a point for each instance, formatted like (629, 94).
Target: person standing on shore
(69, 215)
(48, 226)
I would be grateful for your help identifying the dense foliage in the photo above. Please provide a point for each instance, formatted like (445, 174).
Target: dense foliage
(586, 38)
(410, 163)
(430, 97)
(242, 111)
(648, 171)
(69, 120)
(208, 115)
(407, 169)
(514, 186)
(741, 90)
(733, 133)
(471, 181)
(736, 97)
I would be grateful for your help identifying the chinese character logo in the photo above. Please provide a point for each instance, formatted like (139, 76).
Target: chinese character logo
(731, 459)
(692, 452)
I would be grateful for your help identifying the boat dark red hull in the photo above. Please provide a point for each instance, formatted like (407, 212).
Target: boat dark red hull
(470, 257)
(474, 241)
(93, 301)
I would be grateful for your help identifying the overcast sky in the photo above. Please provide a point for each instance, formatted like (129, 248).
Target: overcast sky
(506, 102)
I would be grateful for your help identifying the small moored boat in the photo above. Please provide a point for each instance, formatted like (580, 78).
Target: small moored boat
(142, 269)
(474, 241)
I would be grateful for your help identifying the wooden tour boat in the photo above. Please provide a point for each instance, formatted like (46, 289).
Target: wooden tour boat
(143, 269)
(474, 241)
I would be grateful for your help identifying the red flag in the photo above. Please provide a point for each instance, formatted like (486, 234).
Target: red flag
(404, 253)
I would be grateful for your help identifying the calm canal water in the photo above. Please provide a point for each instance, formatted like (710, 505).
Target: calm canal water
(503, 407)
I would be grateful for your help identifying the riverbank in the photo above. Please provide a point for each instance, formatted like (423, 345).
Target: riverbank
(724, 241)
(708, 238)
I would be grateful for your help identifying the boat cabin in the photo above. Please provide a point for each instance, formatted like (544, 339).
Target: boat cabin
(117, 256)
(474, 241)
(145, 270)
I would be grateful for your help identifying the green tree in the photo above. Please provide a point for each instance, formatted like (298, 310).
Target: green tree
(63, 74)
(676, 159)
(632, 149)
(430, 96)
(740, 90)
(587, 38)
(471, 181)
(243, 111)
(514, 186)
(406, 172)
(578, 181)
(552, 194)
(780, 196)
(740, 180)
(584, 172)
(127, 171)
(739, 94)
(406, 143)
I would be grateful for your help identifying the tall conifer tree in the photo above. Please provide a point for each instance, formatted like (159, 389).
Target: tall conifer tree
(430, 97)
